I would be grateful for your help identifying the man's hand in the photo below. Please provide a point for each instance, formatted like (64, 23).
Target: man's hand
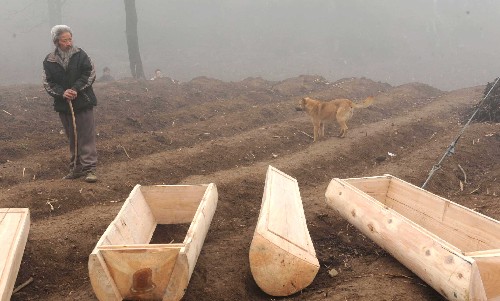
(70, 94)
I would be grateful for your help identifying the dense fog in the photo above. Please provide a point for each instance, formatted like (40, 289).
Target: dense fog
(447, 44)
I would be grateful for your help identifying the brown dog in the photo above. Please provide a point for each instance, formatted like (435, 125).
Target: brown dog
(341, 109)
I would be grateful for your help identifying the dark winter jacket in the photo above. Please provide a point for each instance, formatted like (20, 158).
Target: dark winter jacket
(79, 76)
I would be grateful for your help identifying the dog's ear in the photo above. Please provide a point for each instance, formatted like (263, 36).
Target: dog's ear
(301, 105)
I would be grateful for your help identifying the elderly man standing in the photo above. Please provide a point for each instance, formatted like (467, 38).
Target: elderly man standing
(68, 75)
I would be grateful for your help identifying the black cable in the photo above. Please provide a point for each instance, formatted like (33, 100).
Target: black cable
(451, 148)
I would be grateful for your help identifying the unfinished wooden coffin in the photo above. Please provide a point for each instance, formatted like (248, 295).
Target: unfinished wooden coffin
(454, 249)
(14, 229)
(282, 256)
(124, 266)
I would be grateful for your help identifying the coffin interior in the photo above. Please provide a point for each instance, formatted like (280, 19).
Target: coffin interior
(149, 206)
(462, 227)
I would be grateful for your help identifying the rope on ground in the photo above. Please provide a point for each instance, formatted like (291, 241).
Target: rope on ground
(451, 148)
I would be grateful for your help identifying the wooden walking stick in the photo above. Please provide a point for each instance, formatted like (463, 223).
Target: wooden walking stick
(75, 136)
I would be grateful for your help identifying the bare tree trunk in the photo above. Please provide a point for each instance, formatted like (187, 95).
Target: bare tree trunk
(55, 14)
(133, 40)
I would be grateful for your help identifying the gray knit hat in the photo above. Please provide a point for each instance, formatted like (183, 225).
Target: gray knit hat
(57, 30)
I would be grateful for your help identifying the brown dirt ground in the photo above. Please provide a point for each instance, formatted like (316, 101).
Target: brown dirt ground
(227, 133)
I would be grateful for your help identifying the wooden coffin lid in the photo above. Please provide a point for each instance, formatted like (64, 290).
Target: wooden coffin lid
(282, 256)
(14, 228)
(282, 219)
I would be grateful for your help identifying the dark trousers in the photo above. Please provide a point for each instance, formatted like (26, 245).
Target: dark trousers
(85, 131)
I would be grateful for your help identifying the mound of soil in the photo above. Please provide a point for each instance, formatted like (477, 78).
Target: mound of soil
(227, 133)
(489, 108)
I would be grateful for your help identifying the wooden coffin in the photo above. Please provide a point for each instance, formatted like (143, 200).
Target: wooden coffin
(14, 228)
(282, 256)
(124, 266)
(454, 249)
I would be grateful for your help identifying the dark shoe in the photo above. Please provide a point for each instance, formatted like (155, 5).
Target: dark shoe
(91, 177)
(74, 175)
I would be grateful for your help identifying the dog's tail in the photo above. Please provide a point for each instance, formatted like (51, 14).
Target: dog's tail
(365, 104)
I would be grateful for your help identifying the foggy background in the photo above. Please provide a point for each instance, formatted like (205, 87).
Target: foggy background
(446, 44)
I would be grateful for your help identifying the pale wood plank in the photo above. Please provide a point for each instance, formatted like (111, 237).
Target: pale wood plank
(286, 217)
(281, 234)
(179, 280)
(14, 229)
(454, 236)
(101, 280)
(198, 229)
(143, 274)
(105, 241)
(464, 228)
(477, 291)
(9, 230)
(145, 216)
(125, 231)
(177, 217)
(376, 187)
(3, 213)
(123, 251)
(14, 210)
(489, 253)
(141, 246)
(111, 230)
(480, 228)
(134, 222)
(418, 200)
(427, 234)
(417, 205)
(114, 236)
(489, 271)
(277, 190)
(173, 204)
(276, 271)
(140, 226)
(434, 260)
